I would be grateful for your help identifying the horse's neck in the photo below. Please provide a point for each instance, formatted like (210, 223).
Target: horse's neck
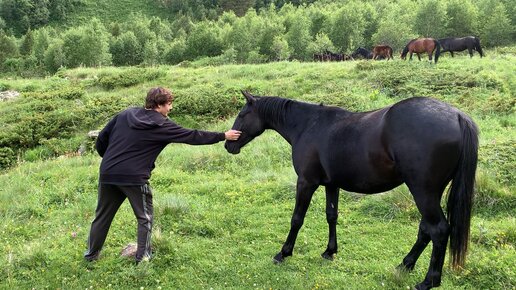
(294, 120)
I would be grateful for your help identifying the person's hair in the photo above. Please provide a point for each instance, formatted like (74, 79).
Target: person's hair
(158, 96)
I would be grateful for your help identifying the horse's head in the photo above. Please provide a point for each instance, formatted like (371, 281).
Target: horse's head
(248, 122)
(404, 52)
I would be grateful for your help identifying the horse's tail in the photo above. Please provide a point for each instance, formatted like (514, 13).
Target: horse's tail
(478, 47)
(437, 50)
(460, 197)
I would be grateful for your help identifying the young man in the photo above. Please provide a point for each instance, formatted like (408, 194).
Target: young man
(129, 146)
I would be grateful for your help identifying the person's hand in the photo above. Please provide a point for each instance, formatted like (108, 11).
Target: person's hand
(232, 135)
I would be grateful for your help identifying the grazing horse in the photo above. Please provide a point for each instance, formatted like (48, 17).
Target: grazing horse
(460, 44)
(382, 50)
(421, 45)
(421, 142)
(362, 52)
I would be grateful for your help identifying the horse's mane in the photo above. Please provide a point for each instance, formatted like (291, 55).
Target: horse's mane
(273, 108)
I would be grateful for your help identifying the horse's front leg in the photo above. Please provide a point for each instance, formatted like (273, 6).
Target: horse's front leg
(418, 56)
(304, 193)
(332, 213)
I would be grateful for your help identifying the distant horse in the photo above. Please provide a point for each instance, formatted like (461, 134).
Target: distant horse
(460, 44)
(363, 53)
(328, 56)
(421, 142)
(421, 45)
(382, 50)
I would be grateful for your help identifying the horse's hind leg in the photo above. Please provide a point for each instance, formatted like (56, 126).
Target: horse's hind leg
(332, 213)
(435, 226)
(422, 241)
(304, 194)
(470, 50)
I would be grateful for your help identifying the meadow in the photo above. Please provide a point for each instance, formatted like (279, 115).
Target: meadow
(220, 218)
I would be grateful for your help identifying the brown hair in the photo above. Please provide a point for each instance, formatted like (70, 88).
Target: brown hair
(158, 96)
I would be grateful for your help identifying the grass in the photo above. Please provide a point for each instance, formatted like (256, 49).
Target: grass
(221, 218)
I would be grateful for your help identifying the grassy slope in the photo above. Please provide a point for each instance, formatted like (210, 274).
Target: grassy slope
(221, 218)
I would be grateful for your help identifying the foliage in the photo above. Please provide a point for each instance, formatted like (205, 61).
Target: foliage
(127, 78)
(496, 26)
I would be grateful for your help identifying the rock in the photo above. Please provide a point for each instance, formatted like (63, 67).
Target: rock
(93, 134)
(8, 95)
(129, 250)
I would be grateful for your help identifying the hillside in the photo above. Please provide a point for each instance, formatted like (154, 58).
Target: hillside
(219, 218)
(111, 11)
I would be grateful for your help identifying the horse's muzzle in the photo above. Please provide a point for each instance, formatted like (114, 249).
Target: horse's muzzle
(231, 147)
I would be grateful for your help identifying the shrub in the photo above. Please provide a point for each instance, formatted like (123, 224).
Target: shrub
(7, 157)
(128, 78)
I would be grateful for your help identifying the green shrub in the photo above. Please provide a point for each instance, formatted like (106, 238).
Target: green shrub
(208, 101)
(128, 78)
(7, 157)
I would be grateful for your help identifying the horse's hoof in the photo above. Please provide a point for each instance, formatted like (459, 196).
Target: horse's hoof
(424, 286)
(278, 259)
(327, 256)
(405, 268)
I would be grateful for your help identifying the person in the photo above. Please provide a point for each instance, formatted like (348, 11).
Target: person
(129, 145)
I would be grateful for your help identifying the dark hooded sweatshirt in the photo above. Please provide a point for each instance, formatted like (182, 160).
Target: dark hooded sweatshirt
(133, 139)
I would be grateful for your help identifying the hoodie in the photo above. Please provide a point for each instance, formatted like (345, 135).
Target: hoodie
(133, 139)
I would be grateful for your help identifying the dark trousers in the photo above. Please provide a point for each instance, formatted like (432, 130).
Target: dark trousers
(110, 197)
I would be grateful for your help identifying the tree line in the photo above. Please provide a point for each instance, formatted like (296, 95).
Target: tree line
(278, 30)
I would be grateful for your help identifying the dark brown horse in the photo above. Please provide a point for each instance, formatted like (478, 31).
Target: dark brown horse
(382, 50)
(421, 142)
(421, 45)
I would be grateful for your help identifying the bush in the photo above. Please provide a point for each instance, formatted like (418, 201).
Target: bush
(7, 157)
(208, 102)
(128, 78)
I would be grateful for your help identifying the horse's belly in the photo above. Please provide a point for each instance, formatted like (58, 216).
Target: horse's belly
(366, 181)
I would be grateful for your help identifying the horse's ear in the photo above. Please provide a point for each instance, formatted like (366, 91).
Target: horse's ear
(250, 98)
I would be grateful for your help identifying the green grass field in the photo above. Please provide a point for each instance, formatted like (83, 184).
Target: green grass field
(220, 218)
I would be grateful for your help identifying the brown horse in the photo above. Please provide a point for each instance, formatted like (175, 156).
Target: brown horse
(382, 50)
(421, 45)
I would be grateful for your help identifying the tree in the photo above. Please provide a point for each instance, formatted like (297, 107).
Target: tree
(204, 41)
(27, 43)
(348, 27)
(54, 56)
(321, 44)
(395, 25)
(240, 7)
(8, 47)
(175, 53)
(245, 34)
(150, 53)
(497, 28)
(298, 34)
(431, 19)
(41, 41)
(462, 18)
(87, 45)
(280, 49)
(126, 50)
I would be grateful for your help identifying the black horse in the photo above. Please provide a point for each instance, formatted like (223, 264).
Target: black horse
(421, 142)
(362, 53)
(460, 44)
